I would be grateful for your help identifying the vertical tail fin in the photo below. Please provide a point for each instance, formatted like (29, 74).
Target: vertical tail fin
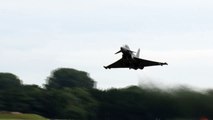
(138, 53)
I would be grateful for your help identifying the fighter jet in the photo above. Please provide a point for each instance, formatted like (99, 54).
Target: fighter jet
(131, 60)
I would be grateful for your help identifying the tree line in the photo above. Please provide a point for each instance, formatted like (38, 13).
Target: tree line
(70, 94)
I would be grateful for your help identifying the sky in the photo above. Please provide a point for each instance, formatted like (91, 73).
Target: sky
(39, 36)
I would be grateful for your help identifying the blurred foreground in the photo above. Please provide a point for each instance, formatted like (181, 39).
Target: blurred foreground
(70, 94)
(19, 116)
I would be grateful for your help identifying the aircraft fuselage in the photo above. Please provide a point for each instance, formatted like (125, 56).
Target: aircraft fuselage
(129, 56)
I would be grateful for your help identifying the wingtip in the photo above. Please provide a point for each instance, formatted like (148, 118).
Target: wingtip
(105, 67)
(164, 64)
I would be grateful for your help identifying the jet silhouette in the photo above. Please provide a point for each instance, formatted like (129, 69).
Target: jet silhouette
(131, 60)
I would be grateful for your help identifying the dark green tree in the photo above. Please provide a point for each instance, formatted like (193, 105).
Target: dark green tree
(9, 81)
(69, 103)
(67, 77)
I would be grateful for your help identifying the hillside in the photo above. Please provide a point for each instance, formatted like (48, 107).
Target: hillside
(70, 94)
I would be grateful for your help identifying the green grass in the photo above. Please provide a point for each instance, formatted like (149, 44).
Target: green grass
(9, 116)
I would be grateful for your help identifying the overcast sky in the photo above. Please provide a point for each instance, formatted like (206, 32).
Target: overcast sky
(39, 36)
